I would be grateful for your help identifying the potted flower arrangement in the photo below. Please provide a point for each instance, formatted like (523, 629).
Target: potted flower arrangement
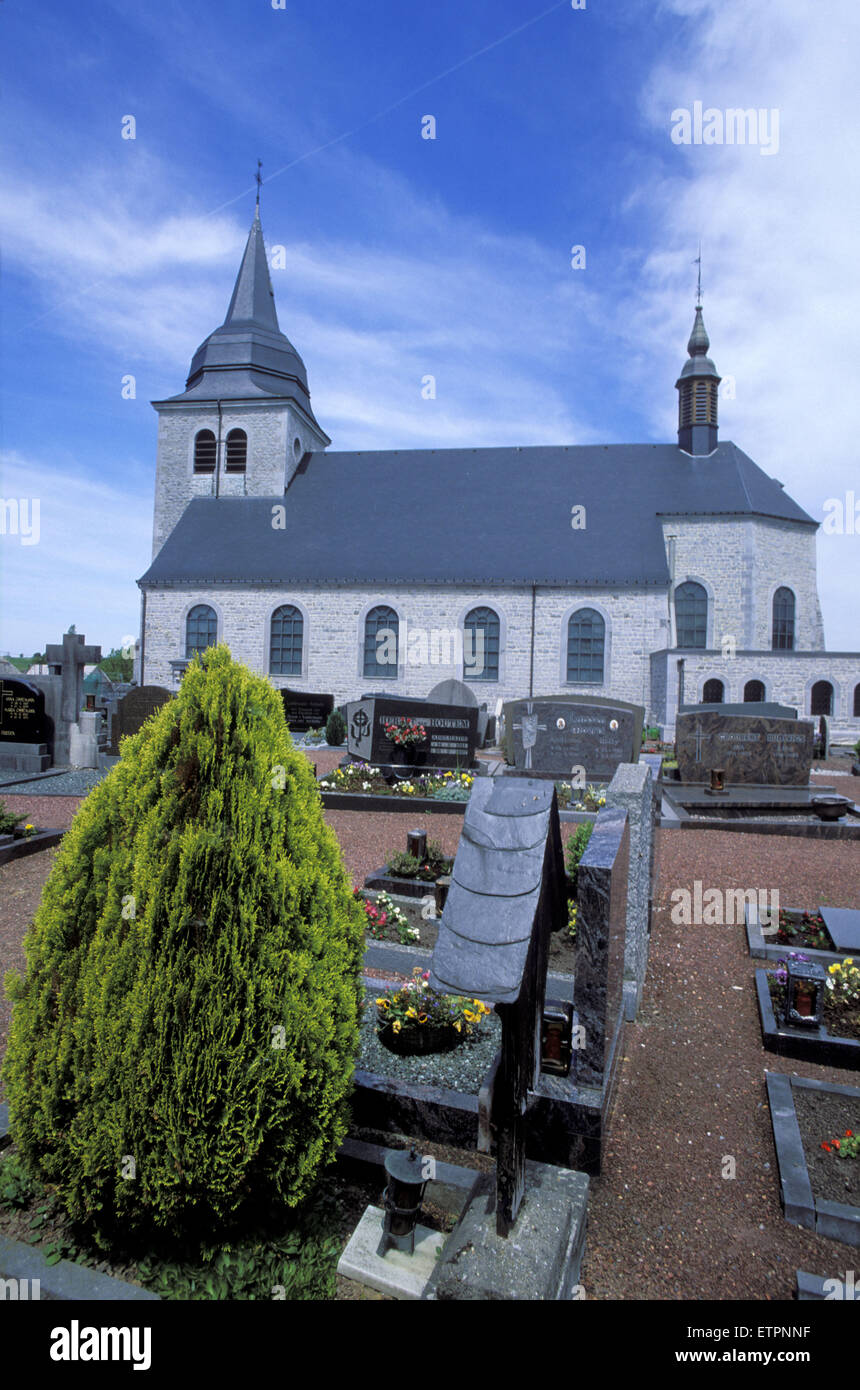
(415, 1019)
(406, 734)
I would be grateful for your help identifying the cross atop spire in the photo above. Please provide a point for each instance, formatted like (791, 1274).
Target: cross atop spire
(698, 262)
(259, 178)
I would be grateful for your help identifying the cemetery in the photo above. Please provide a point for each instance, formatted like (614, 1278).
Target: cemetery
(492, 981)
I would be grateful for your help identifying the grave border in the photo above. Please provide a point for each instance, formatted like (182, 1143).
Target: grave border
(836, 1220)
(823, 1049)
(19, 849)
(760, 950)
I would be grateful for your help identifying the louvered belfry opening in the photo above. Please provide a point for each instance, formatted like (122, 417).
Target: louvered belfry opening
(205, 452)
(237, 451)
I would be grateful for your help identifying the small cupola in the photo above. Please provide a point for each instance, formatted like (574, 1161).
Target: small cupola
(698, 389)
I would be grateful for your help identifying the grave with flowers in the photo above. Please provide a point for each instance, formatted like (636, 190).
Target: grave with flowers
(810, 1011)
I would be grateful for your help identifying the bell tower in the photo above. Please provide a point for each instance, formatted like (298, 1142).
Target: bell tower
(698, 388)
(244, 422)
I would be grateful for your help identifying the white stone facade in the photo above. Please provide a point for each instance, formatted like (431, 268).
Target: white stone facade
(279, 435)
(430, 645)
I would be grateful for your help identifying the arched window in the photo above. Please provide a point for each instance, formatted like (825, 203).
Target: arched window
(381, 640)
(481, 645)
(586, 639)
(691, 615)
(285, 645)
(821, 700)
(857, 702)
(201, 629)
(205, 449)
(753, 692)
(783, 621)
(713, 692)
(237, 451)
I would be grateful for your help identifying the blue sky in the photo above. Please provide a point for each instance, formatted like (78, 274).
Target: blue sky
(407, 257)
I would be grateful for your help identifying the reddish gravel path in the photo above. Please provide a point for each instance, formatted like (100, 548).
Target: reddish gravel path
(663, 1222)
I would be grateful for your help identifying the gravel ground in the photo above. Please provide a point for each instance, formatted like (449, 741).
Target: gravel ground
(663, 1221)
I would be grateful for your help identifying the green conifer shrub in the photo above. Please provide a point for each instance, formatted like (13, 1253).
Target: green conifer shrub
(335, 729)
(192, 995)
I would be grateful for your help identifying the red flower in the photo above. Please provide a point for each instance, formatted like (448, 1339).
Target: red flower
(826, 1146)
(849, 1134)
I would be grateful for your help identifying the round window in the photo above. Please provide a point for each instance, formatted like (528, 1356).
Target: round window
(297, 447)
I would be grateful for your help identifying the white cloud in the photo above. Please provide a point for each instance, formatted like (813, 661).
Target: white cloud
(94, 542)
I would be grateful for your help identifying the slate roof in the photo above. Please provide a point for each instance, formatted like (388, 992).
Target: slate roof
(248, 357)
(468, 516)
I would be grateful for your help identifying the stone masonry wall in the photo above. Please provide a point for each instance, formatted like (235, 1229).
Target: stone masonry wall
(636, 623)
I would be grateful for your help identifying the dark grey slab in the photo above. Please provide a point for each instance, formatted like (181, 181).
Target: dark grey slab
(749, 749)
(539, 1260)
(843, 924)
(133, 709)
(548, 738)
(65, 1281)
(795, 1188)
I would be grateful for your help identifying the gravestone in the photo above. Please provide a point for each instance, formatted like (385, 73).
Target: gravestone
(601, 931)
(767, 708)
(452, 733)
(452, 692)
(133, 709)
(508, 893)
(25, 730)
(549, 737)
(751, 749)
(305, 710)
(843, 924)
(67, 660)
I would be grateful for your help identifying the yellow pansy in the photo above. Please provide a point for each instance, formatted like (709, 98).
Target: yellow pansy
(397, 1025)
(411, 1013)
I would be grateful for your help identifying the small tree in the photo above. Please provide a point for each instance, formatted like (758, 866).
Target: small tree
(184, 1040)
(335, 729)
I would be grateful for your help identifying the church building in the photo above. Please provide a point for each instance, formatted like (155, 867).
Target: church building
(656, 573)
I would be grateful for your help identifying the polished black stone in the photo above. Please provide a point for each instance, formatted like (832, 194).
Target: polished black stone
(22, 713)
(451, 733)
(843, 925)
(304, 710)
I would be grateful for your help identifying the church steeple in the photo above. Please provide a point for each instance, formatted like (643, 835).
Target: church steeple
(253, 299)
(249, 358)
(698, 387)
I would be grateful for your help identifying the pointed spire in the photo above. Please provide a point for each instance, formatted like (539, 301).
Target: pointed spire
(253, 298)
(699, 341)
(698, 389)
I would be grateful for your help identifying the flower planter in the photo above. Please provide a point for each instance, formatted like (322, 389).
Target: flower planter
(418, 1042)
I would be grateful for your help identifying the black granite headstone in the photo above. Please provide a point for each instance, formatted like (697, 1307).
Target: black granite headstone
(133, 709)
(550, 738)
(22, 713)
(303, 709)
(754, 749)
(451, 733)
